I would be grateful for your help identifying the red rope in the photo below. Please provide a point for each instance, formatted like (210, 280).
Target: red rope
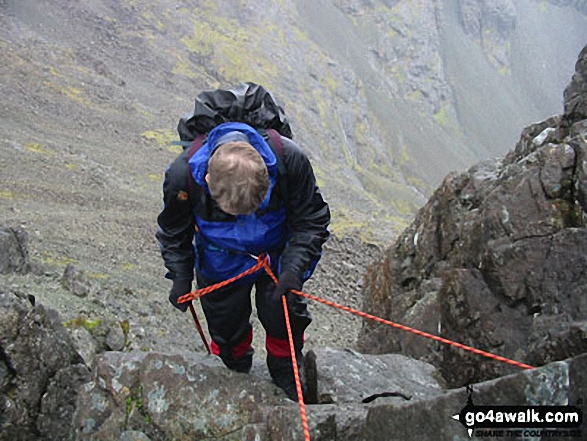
(292, 351)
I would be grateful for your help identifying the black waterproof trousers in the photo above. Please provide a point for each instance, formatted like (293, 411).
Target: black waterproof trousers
(228, 311)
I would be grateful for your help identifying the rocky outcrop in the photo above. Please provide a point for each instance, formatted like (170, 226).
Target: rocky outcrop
(576, 93)
(40, 372)
(560, 383)
(496, 258)
(196, 397)
(491, 24)
(14, 256)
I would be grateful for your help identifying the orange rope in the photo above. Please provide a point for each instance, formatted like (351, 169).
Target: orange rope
(405, 328)
(415, 331)
(294, 363)
(292, 352)
(262, 262)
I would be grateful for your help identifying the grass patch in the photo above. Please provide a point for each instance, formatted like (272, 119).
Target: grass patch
(135, 402)
(37, 148)
(162, 138)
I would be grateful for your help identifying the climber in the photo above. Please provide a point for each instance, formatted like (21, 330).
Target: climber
(229, 196)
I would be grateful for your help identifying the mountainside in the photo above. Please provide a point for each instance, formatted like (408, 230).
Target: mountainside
(386, 96)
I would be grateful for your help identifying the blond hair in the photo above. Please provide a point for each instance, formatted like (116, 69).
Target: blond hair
(237, 178)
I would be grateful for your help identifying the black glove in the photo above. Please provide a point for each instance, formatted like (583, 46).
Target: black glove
(180, 287)
(287, 281)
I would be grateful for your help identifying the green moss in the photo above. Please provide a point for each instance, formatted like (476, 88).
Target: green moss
(345, 221)
(81, 322)
(441, 117)
(403, 207)
(321, 106)
(185, 68)
(141, 110)
(37, 148)
(125, 326)
(5, 194)
(504, 70)
(404, 156)
(233, 51)
(135, 402)
(331, 84)
(361, 132)
(59, 260)
(162, 138)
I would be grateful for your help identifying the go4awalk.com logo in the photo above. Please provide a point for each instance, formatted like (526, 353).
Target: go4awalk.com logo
(521, 421)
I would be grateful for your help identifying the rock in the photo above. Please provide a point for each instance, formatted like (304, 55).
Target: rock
(171, 397)
(40, 372)
(154, 396)
(109, 336)
(558, 383)
(495, 260)
(76, 282)
(91, 337)
(350, 377)
(132, 435)
(85, 344)
(491, 23)
(576, 92)
(14, 256)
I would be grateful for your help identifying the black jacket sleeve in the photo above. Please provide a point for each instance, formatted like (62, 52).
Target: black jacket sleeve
(308, 213)
(175, 231)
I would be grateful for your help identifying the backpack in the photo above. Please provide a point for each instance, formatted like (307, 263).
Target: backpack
(248, 103)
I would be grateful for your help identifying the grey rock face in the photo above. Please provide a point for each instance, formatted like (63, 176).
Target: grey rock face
(350, 377)
(495, 260)
(491, 24)
(40, 373)
(576, 92)
(559, 383)
(432, 419)
(171, 397)
(46, 394)
(14, 256)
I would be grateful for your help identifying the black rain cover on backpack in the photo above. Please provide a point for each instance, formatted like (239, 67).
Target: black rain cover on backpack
(249, 103)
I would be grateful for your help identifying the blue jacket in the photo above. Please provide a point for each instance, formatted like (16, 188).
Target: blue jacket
(293, 236)
(224, 246)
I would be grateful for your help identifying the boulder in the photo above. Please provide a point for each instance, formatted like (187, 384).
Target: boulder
(557, 384)
(346, 376)
(195, 396)
(76, 282)
(172, 397)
